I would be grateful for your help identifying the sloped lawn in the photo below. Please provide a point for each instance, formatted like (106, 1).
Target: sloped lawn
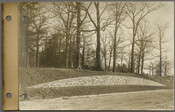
(33, 76)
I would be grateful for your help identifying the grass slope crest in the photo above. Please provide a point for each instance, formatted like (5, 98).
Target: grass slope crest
(29, 77)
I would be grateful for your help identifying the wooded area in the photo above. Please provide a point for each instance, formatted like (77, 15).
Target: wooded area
(111, 36)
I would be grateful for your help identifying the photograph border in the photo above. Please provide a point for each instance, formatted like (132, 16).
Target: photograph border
(12, 1)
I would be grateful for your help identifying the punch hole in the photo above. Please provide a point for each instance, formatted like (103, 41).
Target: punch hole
(8, 18)
(24, 96)
(8, 95)
(25, 18)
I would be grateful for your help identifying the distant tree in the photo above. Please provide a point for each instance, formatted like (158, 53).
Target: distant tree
(151, 67)
(137, 12)
(122, 54)
(86, 49)
(26, 18)
(65, 13)
(110, 55)
(119, 41)
(167, 65)
(144, 42)
(105, 43)
(161, 35)
(35, 29)
(118, 10)
(38, 29)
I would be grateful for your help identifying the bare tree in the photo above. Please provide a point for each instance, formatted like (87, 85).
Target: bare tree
(26, 12)
(110, 56)
(161, 34)
(151, 67)
(122, 54)
(38, 28)
(110, 49)
(144, 43)
(137, 12)
(86, 45)
(79, 8)
(65, 13)
(167, 65)
(98, 28)
(105, 43)
(119, 15)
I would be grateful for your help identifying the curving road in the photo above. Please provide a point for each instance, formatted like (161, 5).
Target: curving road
(142, 100)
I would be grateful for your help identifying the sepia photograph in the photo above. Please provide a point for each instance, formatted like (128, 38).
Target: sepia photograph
(96, 55)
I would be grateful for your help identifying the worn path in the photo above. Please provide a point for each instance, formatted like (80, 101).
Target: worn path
(143, 100)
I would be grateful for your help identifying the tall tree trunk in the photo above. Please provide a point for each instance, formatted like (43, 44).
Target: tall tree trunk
(110, 55)
(121, 61)
(71, 53)
(98, 63)
(138, 67)
(37, 52)
(132, 57)
(143, 55)
(133, 45)
(83, 58)
(67, 57)
(129, 62)
(59, 57)
(114, 58)
(165, 74)
(105, 59)
(152, 69)
(104, 53)
(46, 51)
(78, 6)
(160, 42)
(115, 43)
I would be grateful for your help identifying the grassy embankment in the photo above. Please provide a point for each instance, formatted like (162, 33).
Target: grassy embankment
(33, 76)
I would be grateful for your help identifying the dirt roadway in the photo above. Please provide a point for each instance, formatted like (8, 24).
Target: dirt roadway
(143, 100)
